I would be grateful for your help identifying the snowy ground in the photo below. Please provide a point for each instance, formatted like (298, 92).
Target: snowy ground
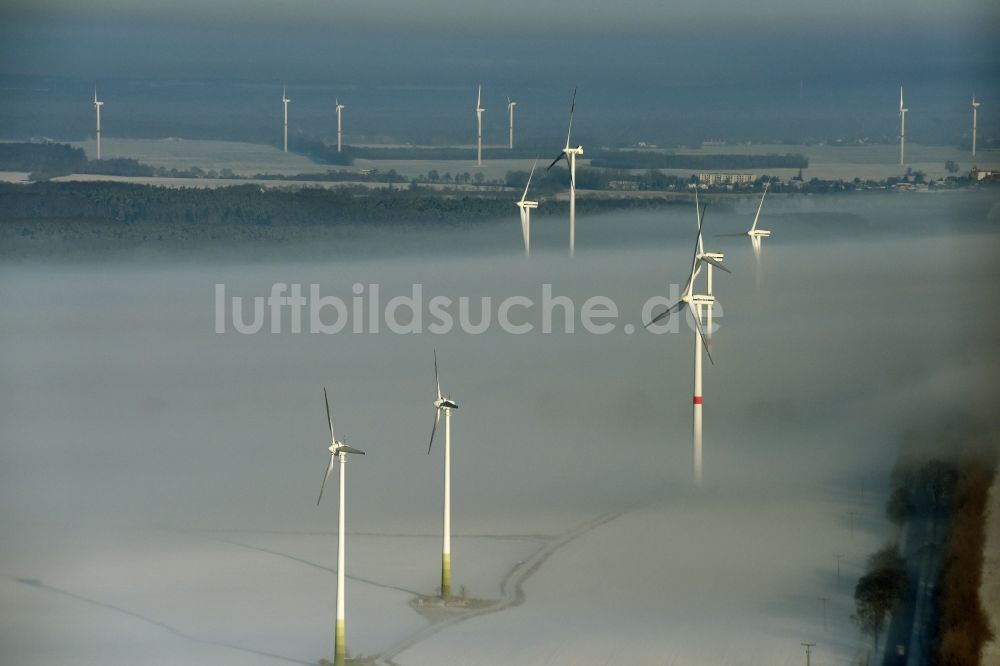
(204, 597)
(244, 159)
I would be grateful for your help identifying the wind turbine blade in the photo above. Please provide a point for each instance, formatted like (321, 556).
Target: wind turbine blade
(697, 208)
(572, 108)
(562, 156)
(676, 307)
(437, 417)
(742, 233)
(328, 417)
(351, 449)
(716, 263)
(757, 216)
(694, 262)
(437, 381)
(701, 333)
(479, 97)
(525, 195)
(329, 469)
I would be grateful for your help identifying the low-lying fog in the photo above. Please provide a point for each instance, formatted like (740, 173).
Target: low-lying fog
(126, 419)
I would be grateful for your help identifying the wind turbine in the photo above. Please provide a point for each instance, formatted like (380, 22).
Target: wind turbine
(570, 154)
(756, 235)
(340, 132)
(98, 104)
(479, 127)
(975, 108)
(902, 126)
(525, 206)
(510, 112)
(702, 256)
(694, 303)
(338, 453)
(285, 101)
(446, 405)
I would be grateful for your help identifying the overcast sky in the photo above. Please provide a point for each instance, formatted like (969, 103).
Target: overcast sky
(70, 37)
(521, 12)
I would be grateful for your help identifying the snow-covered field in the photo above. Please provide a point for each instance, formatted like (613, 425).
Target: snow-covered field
(158, 480)
(244, 159)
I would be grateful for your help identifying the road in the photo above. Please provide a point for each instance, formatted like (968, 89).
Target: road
(511, 589)
(910, 624)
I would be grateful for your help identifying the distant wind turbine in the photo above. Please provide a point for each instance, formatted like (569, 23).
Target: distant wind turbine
(694, 303)
(570, 154)
(479, 127)
(340, 131)
(902, 127)
(975, 109)
(525, 207)
(510, 113)
(97, 106)
(338, 453)
(756, 235)
(285, 101)
(446, 405)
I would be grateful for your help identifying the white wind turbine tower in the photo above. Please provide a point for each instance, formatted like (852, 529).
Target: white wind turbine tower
(338, 453)
(479, 127)
(702, 255)
(902, 127)
(510, 113)
(694, 303)
(525, 206)
(756, 235)
(975, 108)
(570, 154)
(285, 101)
(97, 106)
(340, 131)
(446, 405)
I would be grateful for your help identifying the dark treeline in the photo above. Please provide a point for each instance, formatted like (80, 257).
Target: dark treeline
(50, 160)
(41, 157)
(634, 159)
(944, 475)
(443, 153)
(879, 591)
(252, 205)
(326, 153)
(964, 628)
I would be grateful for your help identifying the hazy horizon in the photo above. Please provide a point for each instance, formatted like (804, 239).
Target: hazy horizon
(408, 73)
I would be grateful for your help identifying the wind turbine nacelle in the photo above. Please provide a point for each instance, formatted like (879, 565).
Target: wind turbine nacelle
(760, 233)
(527, 204)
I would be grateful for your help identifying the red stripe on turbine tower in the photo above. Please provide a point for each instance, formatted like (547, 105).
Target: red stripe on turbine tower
(697, 400)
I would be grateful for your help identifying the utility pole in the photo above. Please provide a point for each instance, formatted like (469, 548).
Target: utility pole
(824, 600)
(852, 515)
(838, 556)
(808, 647)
